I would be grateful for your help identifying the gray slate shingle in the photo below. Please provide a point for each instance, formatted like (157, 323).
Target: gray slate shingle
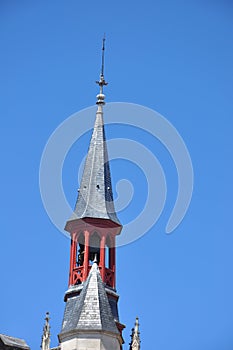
(91, 309)
(95, 199)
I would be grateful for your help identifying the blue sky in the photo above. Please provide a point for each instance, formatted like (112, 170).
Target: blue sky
(172, 56)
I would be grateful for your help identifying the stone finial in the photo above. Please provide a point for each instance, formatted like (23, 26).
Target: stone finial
(135, 337)
(45, 342)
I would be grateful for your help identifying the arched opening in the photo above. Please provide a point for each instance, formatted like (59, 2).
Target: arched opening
(81, 250)
(94, 251)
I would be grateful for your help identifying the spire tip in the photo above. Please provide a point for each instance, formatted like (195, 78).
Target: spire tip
(102, 81)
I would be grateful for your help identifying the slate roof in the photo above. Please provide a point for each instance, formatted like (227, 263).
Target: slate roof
(95, 199)
(91, 309)
(7, 342)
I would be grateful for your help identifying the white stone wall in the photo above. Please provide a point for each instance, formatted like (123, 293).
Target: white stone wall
(95, 341)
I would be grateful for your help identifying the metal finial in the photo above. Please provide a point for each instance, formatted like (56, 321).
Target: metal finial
(102, 81)
(103, 49)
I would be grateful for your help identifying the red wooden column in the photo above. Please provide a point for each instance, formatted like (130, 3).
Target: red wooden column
(102, 257)
(113, 260)
(73, 252)
(86, 255)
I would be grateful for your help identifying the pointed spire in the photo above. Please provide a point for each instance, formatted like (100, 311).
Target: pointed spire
(135, 337)
(45, 342)
(95, 198)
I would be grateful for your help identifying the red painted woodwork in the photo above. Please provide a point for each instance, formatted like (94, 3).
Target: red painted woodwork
(102, 257)
(78, 275)
(83, 250)
(73, 253)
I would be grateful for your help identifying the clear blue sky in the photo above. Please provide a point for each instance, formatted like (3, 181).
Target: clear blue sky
(172, 56)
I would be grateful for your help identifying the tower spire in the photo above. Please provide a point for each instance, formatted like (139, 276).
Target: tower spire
(135, 337)
(95, 197)
(45, 342)
(94, 224)
(91, 314)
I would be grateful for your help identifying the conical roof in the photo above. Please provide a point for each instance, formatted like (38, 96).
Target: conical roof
(95, 199)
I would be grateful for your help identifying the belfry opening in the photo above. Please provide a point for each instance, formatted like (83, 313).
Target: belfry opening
(89, 246)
